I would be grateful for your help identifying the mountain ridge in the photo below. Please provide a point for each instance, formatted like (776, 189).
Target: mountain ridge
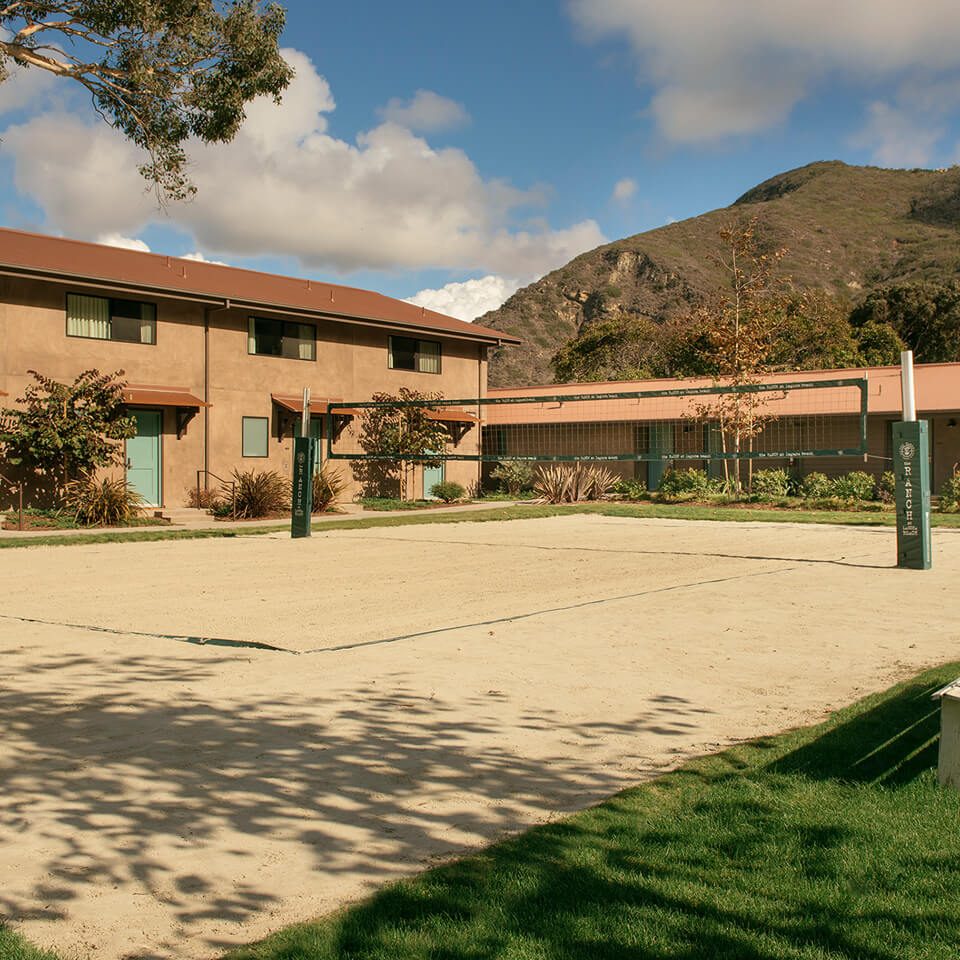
(847, 230)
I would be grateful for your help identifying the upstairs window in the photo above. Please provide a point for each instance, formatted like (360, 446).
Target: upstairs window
(282, 338)
(408, 354)
(104, 318)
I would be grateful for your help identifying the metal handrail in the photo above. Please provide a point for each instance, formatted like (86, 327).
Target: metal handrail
(233, 490)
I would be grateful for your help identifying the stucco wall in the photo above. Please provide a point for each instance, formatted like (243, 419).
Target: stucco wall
(350, 364)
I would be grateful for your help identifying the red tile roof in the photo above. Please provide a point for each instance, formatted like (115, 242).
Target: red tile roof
(58, 258)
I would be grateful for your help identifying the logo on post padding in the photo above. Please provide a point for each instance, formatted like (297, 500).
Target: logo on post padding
(907, 450)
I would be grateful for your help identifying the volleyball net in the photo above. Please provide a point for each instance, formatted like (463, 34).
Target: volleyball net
(753, 421)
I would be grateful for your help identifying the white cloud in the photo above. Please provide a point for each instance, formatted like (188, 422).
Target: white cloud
(719, 69)
(899, 137)
(425, 113)
(127, 243)
(469, 299)
(285, 187)
(624, 190)
(200, 258)
(25, 88)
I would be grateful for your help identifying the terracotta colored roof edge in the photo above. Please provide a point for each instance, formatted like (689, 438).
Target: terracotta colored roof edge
(626, 385)
(148, 394)
(63, 259)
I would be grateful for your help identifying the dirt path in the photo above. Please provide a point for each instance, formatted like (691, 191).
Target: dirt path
(432, 689)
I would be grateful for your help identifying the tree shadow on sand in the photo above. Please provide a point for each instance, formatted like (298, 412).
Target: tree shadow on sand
(146, 765)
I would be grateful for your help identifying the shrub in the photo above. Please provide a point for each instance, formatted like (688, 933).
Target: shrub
(328, 484)
(223, 509)
(570, 483)
(817, 486)
(886, 485)
(855, 485)
(206, 500)
(629, 489)
(771, 483)
(106, 502)
(949, 499)
(259, 493)
(448, 491)
(679, 482)
(514, 476)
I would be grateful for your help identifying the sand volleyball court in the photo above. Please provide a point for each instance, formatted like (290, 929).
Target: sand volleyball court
(205, 740)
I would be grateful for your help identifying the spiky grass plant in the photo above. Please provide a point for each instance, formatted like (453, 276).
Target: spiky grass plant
(102, 502)
(259, 493)
(328, 484)
(571, 483)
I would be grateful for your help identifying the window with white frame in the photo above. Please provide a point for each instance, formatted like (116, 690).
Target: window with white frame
(406, 353)
(281, 338)
(108, 318)
(256, 431)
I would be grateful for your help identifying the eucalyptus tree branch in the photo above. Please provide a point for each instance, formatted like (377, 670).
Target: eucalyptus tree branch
(161, 71)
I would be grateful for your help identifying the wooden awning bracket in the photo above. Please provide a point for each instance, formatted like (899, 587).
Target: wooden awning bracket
(184, 416)
(340, 423)
(457, 430)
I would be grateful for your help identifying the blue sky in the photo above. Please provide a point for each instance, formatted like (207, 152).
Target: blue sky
(448, 153)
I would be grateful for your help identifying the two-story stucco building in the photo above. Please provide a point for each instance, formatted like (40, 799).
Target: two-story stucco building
(216, 358)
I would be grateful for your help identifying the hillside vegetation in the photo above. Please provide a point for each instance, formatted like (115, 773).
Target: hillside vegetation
(848, 231)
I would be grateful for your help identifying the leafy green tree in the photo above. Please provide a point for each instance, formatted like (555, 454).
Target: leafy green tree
(811, 331)
(878, 345)
(161, 71)
(925, 315)
(400, 433)
(627, 348)
(61, 430)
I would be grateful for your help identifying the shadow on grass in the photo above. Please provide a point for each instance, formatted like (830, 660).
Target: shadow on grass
(739, 857)
(890, 743)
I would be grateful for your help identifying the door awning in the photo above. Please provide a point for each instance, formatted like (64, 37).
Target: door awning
(144, 395)
(318, 405)
(451, 416)
(456, 422)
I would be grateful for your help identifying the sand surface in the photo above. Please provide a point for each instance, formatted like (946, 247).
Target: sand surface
(432, 689)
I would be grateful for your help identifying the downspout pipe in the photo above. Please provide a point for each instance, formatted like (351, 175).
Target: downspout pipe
(207, 311)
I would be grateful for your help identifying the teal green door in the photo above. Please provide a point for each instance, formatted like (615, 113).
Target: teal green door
(143, 456)
(316, 435)
(661, 441)
(432, 475)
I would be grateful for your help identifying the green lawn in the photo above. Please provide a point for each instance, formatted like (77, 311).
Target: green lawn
(826, 843)
(833, 842)
(14, 947)
(515, 512)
